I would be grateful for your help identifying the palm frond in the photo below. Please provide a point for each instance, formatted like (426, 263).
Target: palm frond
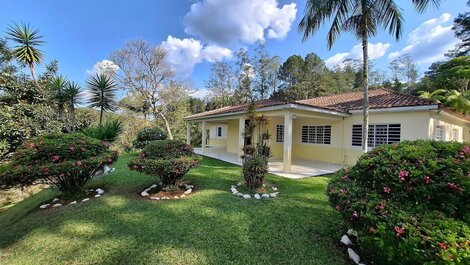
(102, 90)
(27, 39)
(421, 5)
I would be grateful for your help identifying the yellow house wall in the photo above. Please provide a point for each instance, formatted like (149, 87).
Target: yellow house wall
(232, 135)
(214, 140)
(449, 124)
(276, 148)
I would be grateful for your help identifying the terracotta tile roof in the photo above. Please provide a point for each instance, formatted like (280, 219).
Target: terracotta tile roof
(378, 99)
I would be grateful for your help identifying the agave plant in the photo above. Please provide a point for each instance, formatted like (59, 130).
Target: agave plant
(107, 132)
(102, 93)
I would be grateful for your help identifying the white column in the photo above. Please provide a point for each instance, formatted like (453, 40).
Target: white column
(188, 132)
(287, 159)
(204, 137)
(241, 140)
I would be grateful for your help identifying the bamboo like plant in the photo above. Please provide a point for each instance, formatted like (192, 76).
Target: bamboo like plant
(73, 95)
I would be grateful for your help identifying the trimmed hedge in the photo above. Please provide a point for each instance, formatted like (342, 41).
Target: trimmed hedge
(148, 135)
(409, 201)
(65, 160)
(168, 160)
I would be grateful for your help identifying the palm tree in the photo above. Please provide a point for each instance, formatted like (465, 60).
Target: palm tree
(26, 50)
(102, 93)
(58, 86)
(458, 101)
(437, 96)
(363, 18)
(73, 94)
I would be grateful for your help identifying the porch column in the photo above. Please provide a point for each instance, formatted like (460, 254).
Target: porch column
(204, 137)
(188, 132)
(287, 143)
(241, 140)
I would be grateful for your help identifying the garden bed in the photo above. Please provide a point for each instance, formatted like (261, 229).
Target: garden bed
(158, 192)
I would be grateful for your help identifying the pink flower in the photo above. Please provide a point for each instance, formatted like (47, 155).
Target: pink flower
(380, 206)
(61, 175)
(400, 231)
(466, 150)
(443, 246)
(453, 187)
(55, 158)
(355, 215)
(72, 148)
(79, 163)
(106, 144)
(427, 180)
(142, 155)
(387, 190)
(403, 175)
(343, 191)
(345, 177)
(338, 208)
(110, 161)
(32, 145)
(83, 149)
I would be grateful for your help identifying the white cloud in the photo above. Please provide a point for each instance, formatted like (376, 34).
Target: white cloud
(201, 93)
(104, 66)
(376, 51)
(430, 41)
(184, 54)
(245, 21)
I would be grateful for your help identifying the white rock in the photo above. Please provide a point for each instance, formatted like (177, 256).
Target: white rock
(55, 200)
(86, 199)
(234, 191)
(56, 205)
(91, 190)
(155, 198)
(99, 191)
(188, 186)
(153, 186)
(112, 169)
(74, 202)
(239, 194)
(345, 240)
(106, 169)
(246, 196)
(183, 196)
(257, 196)
(44, 206)
(351, 232)
(273, 194)
(165, 198)
(176, 197)
(274, 188)
(265, 195)
(97, 196)
(264, 185)
(353, 256)
(239, 184)
(144, 194)
(188, 191)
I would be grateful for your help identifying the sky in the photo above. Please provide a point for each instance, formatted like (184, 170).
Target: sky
(81, 34)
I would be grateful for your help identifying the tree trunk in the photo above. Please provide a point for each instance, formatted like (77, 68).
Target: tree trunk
(72, 117)
(365, 82)
(167, 125)
(33, 75)
(101, 115)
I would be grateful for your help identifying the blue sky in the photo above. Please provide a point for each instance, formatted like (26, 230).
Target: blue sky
(82, 33)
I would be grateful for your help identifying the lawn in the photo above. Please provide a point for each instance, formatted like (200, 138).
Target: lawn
(210, 227)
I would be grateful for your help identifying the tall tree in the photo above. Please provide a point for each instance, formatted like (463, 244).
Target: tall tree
(363, 18)
(73, 96)
(102, 93)
(57, 87)
(244, 92)
(265, 68)
(453, 74)
(26, 51)
(462, 31)
(221, 84)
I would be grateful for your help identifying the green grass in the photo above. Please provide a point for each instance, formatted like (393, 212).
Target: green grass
(210, 227)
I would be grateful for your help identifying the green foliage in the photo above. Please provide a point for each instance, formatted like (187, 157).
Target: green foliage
(409, 202)
(102, 89)
(108, 131)
(148, 135)
(65, 160)
(169, 160)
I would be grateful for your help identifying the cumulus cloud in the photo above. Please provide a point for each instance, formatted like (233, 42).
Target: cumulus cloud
(201, 93)
(376, 51)
(430, 41)
(104, 66)
(184, 54)
(242, 21)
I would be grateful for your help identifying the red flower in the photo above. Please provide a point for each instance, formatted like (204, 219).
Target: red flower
(354, 215)
(55, 158)
(338, 208)
(142, 155)
(110, 161)
(427, 180)
(443, 246)
(345, 177)
(453, 187)
(32, 145)
(79, 163)
(343, 191)
(72, 148)
(400, 231)
(387, 190)
(466, 150)
(380, 206)
(403, 175)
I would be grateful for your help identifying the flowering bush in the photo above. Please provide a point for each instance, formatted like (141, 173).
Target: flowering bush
(409, 201)
(169, 160)
(148, 135)
(65, 160)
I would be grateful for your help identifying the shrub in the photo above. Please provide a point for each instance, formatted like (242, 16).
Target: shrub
(65, 160)
(108, 131)
(148, 135)
(169, 160)
(409, 202)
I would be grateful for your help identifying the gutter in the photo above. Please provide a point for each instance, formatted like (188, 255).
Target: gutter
(398, 109)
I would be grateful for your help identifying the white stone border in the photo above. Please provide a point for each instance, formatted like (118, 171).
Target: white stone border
(257, 196)
(346, 241)
(145, 193)
(56, 201)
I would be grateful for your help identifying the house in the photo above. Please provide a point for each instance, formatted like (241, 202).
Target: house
(329, 129)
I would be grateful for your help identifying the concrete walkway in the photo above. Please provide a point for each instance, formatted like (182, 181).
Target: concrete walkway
(299, 169)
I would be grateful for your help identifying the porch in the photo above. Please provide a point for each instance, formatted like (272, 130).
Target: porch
(300, 168)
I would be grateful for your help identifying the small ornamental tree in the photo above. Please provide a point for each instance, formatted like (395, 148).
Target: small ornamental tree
(67, 161)
(148, 135)
(410, 202)
(168, 160)
(256, 151)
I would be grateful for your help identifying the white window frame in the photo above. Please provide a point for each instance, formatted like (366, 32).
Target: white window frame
(439, 133)
(373, 136)
(279, 133)
(316, 134)
(455, 134)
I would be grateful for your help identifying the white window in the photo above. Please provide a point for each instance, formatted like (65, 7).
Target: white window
(439, 133)
(219, 131)
(279, 133)
(316, 134)
(378, 134)
(455, 135)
